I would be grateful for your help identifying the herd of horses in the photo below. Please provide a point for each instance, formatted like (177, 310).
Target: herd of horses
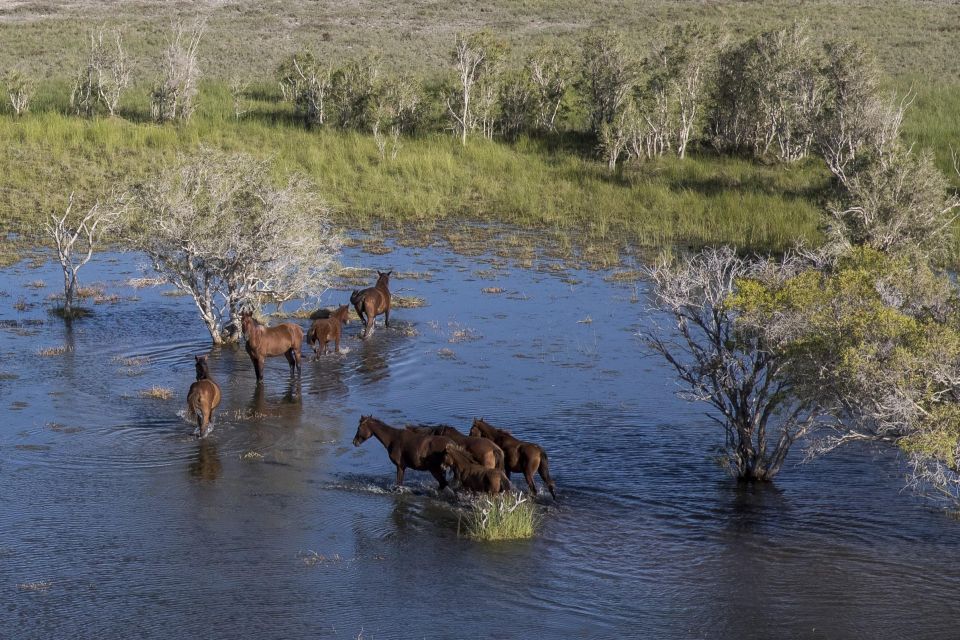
(481, 461)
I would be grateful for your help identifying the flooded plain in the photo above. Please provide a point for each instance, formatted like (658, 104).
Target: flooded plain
(116, 521)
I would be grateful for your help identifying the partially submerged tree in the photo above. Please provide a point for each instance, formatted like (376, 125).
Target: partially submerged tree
(76, 235)
(174, 95)
(219, 228)
(725, 363)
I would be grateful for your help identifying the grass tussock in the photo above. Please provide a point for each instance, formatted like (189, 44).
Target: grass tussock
(508, 516)
(140, 283)
(58, 350)
(492, 290)
(157, 393)
(407, 302)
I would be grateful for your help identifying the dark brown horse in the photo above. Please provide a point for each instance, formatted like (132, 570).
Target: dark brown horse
(406, 448)
(263, 342)
(472, 476)
(325, 329)
(373, 301)
(523, 457)
(203, 397)
(483, 451)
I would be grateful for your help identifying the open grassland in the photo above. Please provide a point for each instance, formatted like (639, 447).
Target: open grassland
(433, 179)
(555, 184)
(253, 35)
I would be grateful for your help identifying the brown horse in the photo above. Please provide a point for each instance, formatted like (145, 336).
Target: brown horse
(203, 398)
(325, 329)
(373, 301)
(406, 448)
(523, 457)
(473, 476)
(263, 342)
(484, 452)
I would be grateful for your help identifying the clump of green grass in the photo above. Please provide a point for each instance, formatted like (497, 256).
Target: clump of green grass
(508, 516)
(157, 393)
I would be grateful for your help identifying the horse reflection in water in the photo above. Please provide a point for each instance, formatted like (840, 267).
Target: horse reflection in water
(260, 407)
(206, 465)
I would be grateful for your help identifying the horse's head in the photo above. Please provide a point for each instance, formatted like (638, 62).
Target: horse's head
(343, 313)
(203, 370)
(480, 428)
(364, 430)
(246, 322)
(383, 277)
(452, 455)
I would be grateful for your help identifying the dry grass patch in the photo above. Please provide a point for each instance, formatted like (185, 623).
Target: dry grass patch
(58, 350)
(508, 516)
(141, 283)
(447, 354)
(135, 361)
(492, 290)
(407, 302)
(37, 284)
(157, 393)
(632, 275)
(41, 585)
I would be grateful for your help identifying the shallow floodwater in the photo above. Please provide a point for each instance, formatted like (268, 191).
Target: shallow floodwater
(115, 521)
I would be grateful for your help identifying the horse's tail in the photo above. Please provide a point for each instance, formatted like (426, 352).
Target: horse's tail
(357, 297)
(544, 472)
(193, 406)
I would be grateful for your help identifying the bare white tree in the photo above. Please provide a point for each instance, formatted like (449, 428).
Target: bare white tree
(76, 236)
(20, 90)
(610, 75)
(550, 73)
(474, 59)
(238, 90)
(173, 97)
(113, 71)
(220, 229)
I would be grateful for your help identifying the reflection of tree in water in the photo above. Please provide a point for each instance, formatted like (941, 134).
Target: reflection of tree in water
(373, 363)
(206, 465)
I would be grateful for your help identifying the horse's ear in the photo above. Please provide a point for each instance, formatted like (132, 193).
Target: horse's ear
(390, 273)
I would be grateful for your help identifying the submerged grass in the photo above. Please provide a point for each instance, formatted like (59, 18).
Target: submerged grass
(507, 516)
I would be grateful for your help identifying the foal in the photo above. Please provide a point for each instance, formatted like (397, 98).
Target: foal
(524, 457)
(473, 476)
(263, 342)
(405, 448)
(325, 329)
(203, 398)
(373, 301)
(484, 451)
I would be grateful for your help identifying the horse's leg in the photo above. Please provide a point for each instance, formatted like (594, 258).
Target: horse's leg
(399, 475)
(296, 356)
(336, 342)
(386, 316)
(289, 356)
(371, 321)
(441, 477)
(528, 470)
(544, 471)
(258, 367)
